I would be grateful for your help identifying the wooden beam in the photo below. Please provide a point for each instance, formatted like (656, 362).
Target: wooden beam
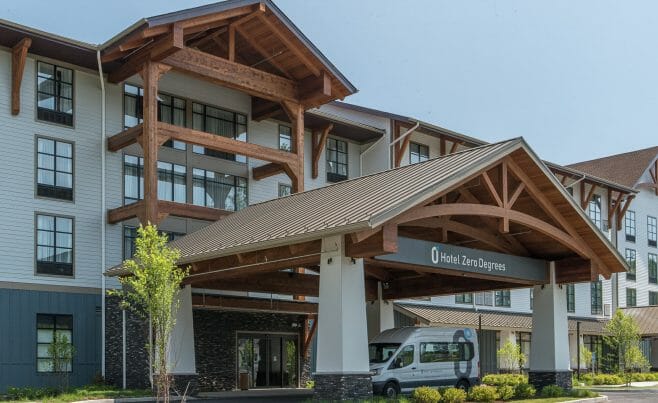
(492, 189)
(202, 22)
(18, 57)
(612, 210)
(133, 41)
(453, 148)
(573, 270)
(442, 145)
(262, 109)
(231, 43)
(286, 283)
(126, 212)
(253, 304)
(309, 338)
(125, 138)
(401, 150)
(234, 75)
(319, 142)
(516, 194)
(296, 112)
(267, 170)
(382, 242)
(271, 58)
(315, 91)
(589, 196)
(186, 210)
(623, 210)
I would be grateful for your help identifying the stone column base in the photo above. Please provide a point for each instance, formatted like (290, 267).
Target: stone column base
(341, 386)
(539, 379)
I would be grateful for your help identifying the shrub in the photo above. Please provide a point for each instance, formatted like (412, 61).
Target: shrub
(504, 379)
(29, 393)
(505, 392)
(552, 391)
(483, 393)
(524, 391)
(587, 379)
(310, 384)
(583, 393)
(607, 379)
(644, 376)
(425, 394)
(454, 395)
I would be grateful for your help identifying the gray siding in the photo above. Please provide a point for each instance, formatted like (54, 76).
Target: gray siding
(18, 336)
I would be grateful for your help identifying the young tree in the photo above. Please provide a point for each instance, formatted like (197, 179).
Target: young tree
(624, 337)
(586, 357)
(152, 292)
(510, 356)
(61, 352)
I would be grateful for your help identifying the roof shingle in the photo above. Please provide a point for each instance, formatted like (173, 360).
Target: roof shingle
(625, 169)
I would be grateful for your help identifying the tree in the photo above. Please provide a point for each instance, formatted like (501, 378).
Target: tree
(151, 291)
(510, 356)
(623, 335)
(61, 352)
(586, 357)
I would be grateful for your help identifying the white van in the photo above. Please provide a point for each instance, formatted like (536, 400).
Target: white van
(403, 359)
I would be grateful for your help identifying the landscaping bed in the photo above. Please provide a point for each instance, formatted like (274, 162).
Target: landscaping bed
(53, 395)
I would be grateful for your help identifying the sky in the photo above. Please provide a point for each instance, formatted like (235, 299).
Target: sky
(577, 79)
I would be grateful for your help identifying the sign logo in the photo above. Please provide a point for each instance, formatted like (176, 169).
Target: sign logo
(462, 259)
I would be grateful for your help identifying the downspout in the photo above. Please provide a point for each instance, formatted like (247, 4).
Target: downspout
(370, 147)
(102, 215)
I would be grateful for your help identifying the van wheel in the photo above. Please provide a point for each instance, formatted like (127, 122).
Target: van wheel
(463, 384)
(391, 390)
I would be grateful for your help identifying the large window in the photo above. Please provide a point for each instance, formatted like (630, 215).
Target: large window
(502, 298)
(484, 298)
(133, 179)
(653, 298)
(597, 297)
(54, 169)
(171, 182)
(629, 226)
(631, 297)
(130, 235)
(54, 245)
(48, 326)
(217, 190)
(222, 123)
(632, 263)
(336, 160)
(171, 110)
(54, 94)
(652, 229)
(571, 298)
(446, 351)
(418, 153)
(285, 138)
(594, 210)
(523, 340)
(652, 263)
(464, 298)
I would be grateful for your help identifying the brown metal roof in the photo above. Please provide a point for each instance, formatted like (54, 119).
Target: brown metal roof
(646, 318)
(625, 169)
(433, 315)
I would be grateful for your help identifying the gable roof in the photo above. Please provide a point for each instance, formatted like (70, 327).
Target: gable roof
(625, 169)
(646, 318)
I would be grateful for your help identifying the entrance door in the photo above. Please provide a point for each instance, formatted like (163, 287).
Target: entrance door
(270, 360)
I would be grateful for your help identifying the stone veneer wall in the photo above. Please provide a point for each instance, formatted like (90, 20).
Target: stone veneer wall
(539, 379)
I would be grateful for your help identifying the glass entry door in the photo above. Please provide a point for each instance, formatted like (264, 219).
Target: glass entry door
(271, 360)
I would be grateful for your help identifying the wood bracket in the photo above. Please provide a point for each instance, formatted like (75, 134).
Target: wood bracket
(18, 57)
(319, 142)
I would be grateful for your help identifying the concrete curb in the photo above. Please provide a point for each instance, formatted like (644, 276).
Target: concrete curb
(601, 398)
(133, 400)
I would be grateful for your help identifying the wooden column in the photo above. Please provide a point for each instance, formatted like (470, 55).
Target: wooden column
(18, 56)
(297, 115)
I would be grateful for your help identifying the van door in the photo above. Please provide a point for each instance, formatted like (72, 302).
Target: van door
(403, 368)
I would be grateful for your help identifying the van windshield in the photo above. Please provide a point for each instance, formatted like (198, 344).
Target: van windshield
(382, 352)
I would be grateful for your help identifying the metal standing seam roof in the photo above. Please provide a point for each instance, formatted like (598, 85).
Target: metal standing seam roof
(646, 318)
(434, 315)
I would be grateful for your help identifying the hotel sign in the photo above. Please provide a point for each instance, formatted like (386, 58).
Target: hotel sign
(451, 257)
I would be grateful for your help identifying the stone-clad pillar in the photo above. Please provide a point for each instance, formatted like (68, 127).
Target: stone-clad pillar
(549, 350)
(342, 356)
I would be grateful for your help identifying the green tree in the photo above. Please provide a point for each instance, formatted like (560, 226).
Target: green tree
(152, 292)
(585, 357)
(61, 352)
(623, 335)
(510, 356)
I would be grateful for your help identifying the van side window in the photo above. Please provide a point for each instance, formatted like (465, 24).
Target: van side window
(446, 352)
(404, 358)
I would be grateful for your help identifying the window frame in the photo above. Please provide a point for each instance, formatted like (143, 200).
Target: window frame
(598, 287)
(36, 168)
(652, 236)
(239, 158)
(631, 297)
(630, 226)
(235, 186)
(571, 298)
(464, 298)
(172, 174)
(632, 264)
(70, 118)
(36, 244)
(283, 136)
(653, 295)
(594, 211)
(54, 330)
(140, 178)
(503, 298)
(652, 267)
(282, 186)
(132, 230)
(334, 177)
(419, 156)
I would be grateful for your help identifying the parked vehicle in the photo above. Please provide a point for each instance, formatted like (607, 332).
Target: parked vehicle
(404, 358)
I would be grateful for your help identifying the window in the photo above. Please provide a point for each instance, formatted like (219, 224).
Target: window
(54, 169)
(130, 235)
(54, 94)
(171, 182)
(217, 190)
(54, 245)
(653, 268)
(284, 190)
(532, 298)
(170, 110)
(594, 210)
(631, 297)
(652, 230)
(418, 153)
(597, 297)
(630, 259)
(446, 351)
(404, 358)
(47, 327)
(653, 298)
(523, 340)
(285, 138)
(629, 225)
(336, 160)
(484, 298)
(502, 298)
(222, 123)
(571, 298)
(133, 179)
(464, 298)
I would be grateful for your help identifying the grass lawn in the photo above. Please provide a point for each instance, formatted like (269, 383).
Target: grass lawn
(84, 393)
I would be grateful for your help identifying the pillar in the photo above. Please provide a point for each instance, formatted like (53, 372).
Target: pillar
(380, 314)
(549, 350)
(342, 371)
(182, 359)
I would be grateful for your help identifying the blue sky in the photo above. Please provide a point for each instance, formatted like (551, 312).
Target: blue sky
(577, 79)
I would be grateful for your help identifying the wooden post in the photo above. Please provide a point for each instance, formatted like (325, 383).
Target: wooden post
(298, 146)
(18, 56)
